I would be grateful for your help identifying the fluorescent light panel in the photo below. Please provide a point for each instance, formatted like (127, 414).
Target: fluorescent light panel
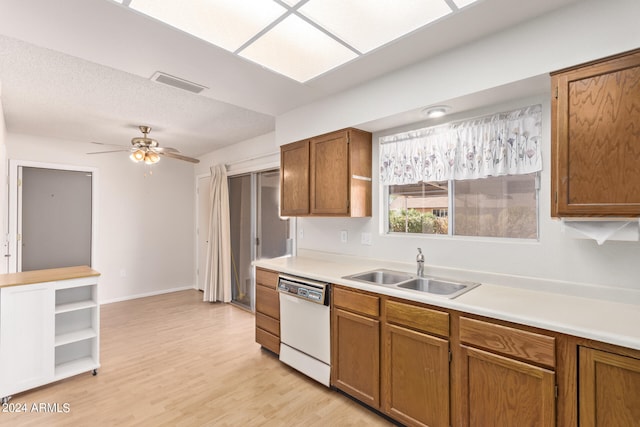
(300, 43)
(225, 23)
(297, 50)
(367, 25)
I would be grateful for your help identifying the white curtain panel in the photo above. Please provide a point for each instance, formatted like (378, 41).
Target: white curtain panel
(500, 144)
(218, 273)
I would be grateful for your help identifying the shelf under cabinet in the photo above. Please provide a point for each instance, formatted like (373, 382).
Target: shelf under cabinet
(71, 337)
(74, 367)
(79, 305)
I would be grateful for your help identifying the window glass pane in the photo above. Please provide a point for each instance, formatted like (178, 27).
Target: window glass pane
(419, 208)
(503, 206)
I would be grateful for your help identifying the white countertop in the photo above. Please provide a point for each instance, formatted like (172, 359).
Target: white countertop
(608, 321)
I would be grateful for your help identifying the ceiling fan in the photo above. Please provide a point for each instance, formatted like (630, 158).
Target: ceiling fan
(145, 149)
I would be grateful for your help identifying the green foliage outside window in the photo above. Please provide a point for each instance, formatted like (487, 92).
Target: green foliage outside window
(415, 221)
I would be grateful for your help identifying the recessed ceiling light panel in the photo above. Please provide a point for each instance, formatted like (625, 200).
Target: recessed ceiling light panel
(366, 25)
(297, 50)
(224, 23)
(300, 39)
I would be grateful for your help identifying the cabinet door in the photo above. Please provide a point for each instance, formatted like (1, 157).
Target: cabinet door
(267, 301)
(330, 174)
(294, 179)
(609, 393)
(356, 363)
(267, 310)
(502, 392)
(26, 337)
(267, 318)
(596, 147)
(416, 377)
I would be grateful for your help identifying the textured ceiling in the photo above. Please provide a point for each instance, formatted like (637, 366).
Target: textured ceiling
(79, 70)
(73, 98)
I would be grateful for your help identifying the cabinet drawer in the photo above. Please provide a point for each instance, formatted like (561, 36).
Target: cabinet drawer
(266, 278)
(525, 345)
(267, 323)
(268, 340)
(420, 318)
(267, 302)
(357, 302)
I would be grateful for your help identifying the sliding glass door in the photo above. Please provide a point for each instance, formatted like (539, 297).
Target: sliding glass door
(257, 231)
(241, 215)
(272, 231)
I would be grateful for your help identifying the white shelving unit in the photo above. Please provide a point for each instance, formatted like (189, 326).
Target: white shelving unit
(49, 330)
(77, 326)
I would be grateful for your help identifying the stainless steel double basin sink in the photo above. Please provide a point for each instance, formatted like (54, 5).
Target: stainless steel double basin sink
(430, 285)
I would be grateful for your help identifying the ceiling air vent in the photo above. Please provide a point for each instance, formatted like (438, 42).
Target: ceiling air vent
(177, 82)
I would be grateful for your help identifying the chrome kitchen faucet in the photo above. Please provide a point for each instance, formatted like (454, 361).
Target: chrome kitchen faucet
(420, 262)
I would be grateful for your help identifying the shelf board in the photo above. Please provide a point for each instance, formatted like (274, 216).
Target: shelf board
(73, 306)
(75, 367)
(75, 336)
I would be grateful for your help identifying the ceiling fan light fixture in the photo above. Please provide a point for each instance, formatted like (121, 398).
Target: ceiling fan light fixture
(151, 158)
(147, 150)
(137, 156)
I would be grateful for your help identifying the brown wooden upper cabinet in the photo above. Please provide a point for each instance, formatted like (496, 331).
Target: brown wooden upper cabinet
(595, 129)
(328, 175)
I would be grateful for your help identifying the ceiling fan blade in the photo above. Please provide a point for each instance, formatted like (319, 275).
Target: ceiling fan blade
(165, 150)
(179, 157)
(110, 151)
(110, 145)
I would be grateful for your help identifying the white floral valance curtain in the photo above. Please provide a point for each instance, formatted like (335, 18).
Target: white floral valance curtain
(500, 144)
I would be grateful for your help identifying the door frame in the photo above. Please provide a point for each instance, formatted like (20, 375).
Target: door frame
(198, 226)
(232, 172)
(13, 217)
(196, 221)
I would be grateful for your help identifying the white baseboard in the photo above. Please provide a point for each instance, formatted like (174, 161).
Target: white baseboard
(147, 294)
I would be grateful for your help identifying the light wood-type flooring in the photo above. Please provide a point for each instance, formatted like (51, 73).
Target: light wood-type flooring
(173, 360)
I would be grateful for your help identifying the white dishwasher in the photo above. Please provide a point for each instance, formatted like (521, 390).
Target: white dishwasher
(305, 342)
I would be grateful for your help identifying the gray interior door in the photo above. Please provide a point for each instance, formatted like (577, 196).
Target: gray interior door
(54, 218)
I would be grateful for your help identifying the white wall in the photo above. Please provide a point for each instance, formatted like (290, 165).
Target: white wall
(253, 154)
(144, 241)
(554, 256)
(584, 31)
(3, 184)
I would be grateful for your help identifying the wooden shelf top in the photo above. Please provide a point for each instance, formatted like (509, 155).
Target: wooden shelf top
(50, 275)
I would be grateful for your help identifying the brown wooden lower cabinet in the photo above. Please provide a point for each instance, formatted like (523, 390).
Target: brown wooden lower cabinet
(609, 389)
(267, 310)
(357, 364)
(356, 345)
(426, 366)
(506, 375)
(502, 392)
(416, 377)
(415, 364)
